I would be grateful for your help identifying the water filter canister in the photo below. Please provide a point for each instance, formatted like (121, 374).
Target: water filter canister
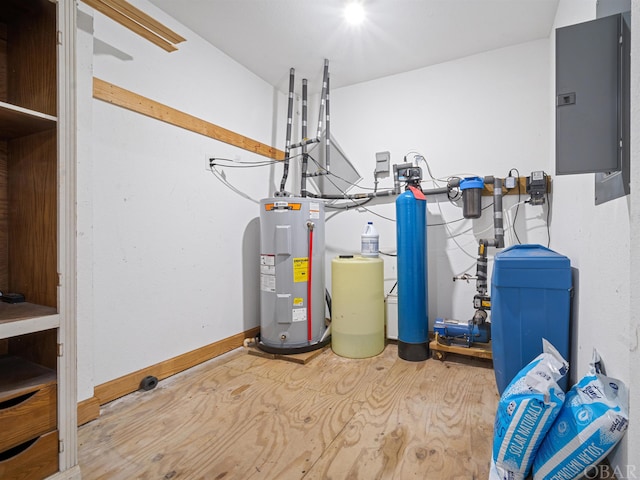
(369, 241)
(471, 188)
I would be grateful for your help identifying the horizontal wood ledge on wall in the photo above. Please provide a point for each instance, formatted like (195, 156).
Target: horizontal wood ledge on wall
(90, 409)
(519, 189)
(138, 22)
(146, 21)
(115, 95)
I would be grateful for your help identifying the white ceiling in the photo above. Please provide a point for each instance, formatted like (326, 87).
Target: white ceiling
(270, 36)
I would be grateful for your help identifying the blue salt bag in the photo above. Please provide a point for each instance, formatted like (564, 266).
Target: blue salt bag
(591, 422)
(526, 411)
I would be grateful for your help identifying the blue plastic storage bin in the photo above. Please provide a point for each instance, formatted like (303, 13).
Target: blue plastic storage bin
(530, 299)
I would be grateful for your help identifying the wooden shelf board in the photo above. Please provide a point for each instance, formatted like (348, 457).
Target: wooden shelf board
(125, 16)
(17, 121)
(145, 20)
(19, 377)
(476, 350)
(22, 318)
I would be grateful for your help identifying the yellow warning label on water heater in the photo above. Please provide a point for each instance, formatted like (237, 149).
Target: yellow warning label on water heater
(282, 206)
(300, 269)
(298, 301)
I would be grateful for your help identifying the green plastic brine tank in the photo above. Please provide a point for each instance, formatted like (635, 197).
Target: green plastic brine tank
(357, 299)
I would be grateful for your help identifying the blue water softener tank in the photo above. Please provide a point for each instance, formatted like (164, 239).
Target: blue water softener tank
(530, 300)
(413, 320)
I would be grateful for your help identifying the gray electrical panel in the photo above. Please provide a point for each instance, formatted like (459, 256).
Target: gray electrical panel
(591, 105)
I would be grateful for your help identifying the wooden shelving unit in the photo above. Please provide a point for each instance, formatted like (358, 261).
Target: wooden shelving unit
(27, 402)
(19, 122)
(37, 383)
(23, 318)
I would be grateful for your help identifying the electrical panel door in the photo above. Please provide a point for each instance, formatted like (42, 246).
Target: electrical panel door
(589, 100)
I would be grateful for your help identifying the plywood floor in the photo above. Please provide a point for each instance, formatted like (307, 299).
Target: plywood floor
(245, 417)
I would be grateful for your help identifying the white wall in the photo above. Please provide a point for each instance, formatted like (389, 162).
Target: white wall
(484, 115)
(166, 251)
(84, 65)
(633, 435)
(597, 239)
(479, 115)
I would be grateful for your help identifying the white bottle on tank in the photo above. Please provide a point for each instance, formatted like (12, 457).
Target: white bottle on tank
(369, 241)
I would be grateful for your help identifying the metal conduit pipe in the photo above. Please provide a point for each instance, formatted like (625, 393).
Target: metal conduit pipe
(323, 94)
(316, 174)
(305, 141)
(287, 147)
(303, 176)
(381, 193)
(327, 139)
(321, 114)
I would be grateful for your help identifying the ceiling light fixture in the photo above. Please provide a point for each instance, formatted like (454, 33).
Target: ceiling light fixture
(354, 13)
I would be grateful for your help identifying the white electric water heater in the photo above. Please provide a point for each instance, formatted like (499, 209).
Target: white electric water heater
(292, 288)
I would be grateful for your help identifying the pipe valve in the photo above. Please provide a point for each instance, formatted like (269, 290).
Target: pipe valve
(465, 276)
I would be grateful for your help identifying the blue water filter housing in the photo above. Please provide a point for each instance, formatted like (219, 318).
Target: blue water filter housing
(413, 319)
